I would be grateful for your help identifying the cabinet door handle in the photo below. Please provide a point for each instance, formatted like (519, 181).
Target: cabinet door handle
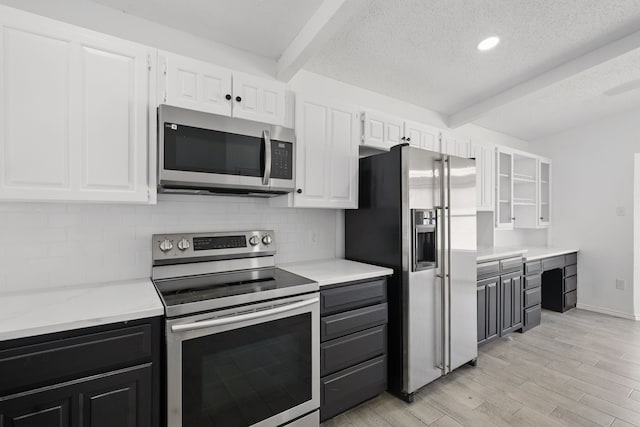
(238, 99)
(299, 191)
(227, 97)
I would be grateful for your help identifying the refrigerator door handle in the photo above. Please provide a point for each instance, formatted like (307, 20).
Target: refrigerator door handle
(448, 262)
(443, 267)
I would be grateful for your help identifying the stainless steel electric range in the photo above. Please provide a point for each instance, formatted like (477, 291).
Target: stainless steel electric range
(242, 336)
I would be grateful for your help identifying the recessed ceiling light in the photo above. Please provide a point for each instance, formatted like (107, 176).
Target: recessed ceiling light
(489, 43)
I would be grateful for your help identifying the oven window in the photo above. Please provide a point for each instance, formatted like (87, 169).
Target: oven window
(193, 149)
(243, 376)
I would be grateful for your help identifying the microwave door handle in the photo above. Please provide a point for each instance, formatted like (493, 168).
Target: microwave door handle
(267, 157)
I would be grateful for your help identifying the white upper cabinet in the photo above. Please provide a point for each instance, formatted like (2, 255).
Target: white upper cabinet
(504, 189)
(422, 136)
(455, 145)
(198, 85)
(381, 131)
(485, 175)
(544, 192)
(74, 113)
(193, 84)
(327, 155)
(258, 99)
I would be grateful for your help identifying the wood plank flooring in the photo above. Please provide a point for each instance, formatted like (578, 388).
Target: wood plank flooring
(576, 369)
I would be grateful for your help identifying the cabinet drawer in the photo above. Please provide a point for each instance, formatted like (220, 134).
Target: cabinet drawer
(571, 259)
(34, 365)
(347, 388)
(531, 282)
(551, 263)
(532, 297)
(532, 316)
(570, 283)
(533, 267)
(488, 269)
(352, 349)
(570, 270)
(338, 325)
(511, 265)
(352, 296)
(570, 299)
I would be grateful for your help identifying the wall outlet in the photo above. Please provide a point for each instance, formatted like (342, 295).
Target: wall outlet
(620, 284)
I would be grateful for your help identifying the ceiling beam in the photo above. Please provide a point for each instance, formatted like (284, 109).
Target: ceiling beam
(331, 16)
(546, 79)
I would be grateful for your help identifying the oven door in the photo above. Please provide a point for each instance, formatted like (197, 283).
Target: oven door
(206, 151)
(251, 365)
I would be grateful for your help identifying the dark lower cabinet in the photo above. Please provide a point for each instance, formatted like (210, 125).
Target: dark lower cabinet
(560, 283)
(500, 298)
(124, 396)
(353, 348)
(488, 315)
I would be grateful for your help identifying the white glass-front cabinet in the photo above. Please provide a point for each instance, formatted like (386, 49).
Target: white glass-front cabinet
(197, 85)
(525, 191)
(504, 189)
(381, 131)
(327, 137)
(485, 175)
(75, 123)
(544, 189)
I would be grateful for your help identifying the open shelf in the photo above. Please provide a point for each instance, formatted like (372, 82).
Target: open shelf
(505, 175)
(518, 180)
(524, 203)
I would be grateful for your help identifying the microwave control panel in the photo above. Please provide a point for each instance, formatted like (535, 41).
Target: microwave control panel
(281, 160)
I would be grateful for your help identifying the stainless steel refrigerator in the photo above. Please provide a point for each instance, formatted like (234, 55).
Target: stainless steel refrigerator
(417, 215)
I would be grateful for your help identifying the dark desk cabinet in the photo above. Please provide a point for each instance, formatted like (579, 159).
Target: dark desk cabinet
(500, 298)
(353, 344)
(560, 282)
(532, 295)
(96, 377)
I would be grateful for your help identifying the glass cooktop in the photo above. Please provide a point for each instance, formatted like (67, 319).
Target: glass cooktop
(205, 292)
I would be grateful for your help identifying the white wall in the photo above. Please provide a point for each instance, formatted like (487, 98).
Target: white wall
(46, 245)
(94, 16)
(593, 176)
(636, 235)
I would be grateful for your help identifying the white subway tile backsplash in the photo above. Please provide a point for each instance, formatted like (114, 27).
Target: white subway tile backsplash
(55, 244)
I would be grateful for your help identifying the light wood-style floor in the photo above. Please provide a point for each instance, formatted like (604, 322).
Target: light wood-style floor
(576, 369)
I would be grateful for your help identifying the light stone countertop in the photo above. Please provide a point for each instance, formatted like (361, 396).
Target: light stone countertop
(332, 271)
(529, 253)
(43, 311)
(491, 253)
(535, 253)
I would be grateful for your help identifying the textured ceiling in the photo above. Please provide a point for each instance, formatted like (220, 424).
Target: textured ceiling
(264, 27)
(573, 101)
(424, 51)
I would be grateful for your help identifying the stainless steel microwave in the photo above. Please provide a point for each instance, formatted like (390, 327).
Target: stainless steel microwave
(202, 153)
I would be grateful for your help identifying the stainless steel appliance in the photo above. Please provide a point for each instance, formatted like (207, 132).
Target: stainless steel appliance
(242, 336)
(206, 153)
(417, 215)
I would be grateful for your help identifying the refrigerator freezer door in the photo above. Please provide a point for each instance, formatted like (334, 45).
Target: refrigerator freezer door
(461, 239)
(422, 289)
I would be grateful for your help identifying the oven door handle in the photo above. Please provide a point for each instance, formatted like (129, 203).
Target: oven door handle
(267, 157)
(242, 317)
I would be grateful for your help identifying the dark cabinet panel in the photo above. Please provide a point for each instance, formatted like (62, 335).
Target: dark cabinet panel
(341, 324)
(482, 312)
(570, 283)
(511, 302)
(493, 315)
(570, 300)
(532, 297)
(511, 265)
(347, 388)
(552, 263)
(570, 270)
(516, 290)
(488, 269)
(531, 282)
(571, 259)
(352, 349)
(532, 317)
(533, 267)
(51, 408)
(351, 296)
(119, 400)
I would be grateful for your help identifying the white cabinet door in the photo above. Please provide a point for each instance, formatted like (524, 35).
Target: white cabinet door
(258, 99)
(74, 113)
(193, 84)
(485, 175)
(544, 192)
(381, 131)
(327, 155)
(504, 194)
(455, 145)
(422, 136)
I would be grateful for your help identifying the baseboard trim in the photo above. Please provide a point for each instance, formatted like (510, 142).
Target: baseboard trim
(613, 313)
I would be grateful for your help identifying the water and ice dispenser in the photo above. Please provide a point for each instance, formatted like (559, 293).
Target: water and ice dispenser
(425, 241)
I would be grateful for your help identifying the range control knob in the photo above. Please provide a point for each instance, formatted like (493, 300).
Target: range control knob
(166, 245)
(184, 244)
(266, 239)
(254, 240)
